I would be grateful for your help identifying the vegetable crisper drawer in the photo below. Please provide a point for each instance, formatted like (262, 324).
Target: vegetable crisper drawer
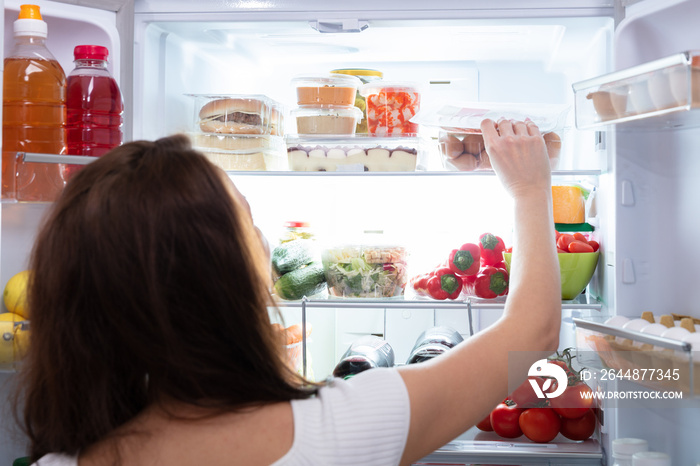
(663, 86)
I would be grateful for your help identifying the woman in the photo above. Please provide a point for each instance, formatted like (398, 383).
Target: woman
(152, 344)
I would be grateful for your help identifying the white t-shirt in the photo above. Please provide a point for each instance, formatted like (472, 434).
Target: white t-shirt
(363, 420)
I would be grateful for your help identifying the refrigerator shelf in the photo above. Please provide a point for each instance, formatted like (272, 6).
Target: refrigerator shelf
(397, 303)
(652, 361)
(661, 94)
(475, 446)
(405, 174)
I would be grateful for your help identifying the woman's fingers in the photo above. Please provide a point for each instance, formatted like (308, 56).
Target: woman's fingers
(520, 128)
(505, 127)
(532, 128)
(489, 128)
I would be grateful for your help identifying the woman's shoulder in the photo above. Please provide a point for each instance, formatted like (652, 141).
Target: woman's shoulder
(370, 410)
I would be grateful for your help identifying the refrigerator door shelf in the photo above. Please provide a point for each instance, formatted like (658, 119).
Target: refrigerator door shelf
(660, 94)
(651, 361)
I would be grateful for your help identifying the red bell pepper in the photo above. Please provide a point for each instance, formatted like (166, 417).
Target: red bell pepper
(468, 284)
(420, 284)
(491, 248)
(444, 284)
(465, 260)
(491, 282)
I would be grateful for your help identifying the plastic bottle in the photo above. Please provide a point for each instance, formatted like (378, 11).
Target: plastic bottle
(651, 458)
(433, 342)
(365, 353)
(624, 448)
(34, 112)
(94, 104)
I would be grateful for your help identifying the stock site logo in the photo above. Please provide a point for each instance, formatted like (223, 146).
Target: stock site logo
(543, 368)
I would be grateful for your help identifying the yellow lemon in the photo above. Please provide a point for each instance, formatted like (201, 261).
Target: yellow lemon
(15, 294)
(10, 317)
(7, 352)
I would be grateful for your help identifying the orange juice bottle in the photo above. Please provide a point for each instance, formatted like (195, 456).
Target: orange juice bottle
(33, 112)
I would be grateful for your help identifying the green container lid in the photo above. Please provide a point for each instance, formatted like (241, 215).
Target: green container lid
(569, 227)
(21, 461)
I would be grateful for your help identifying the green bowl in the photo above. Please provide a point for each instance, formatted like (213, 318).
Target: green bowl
(576, 271)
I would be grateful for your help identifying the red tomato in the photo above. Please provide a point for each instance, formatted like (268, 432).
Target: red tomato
(564, 240)
(504, 420)
(510, 249)
(569, 371)
(580, 246)
(572, 403)
(485, 424)
(556, 234)
(594, 244)
(580, 428)
(580, 237)
(562, 251)
(540, 425)
(525, 397)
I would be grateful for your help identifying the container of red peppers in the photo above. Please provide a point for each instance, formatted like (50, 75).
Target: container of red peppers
(472, 270)
(390, 107)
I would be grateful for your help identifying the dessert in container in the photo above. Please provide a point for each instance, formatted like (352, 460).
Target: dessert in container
(355, 153)
(242, 152)
(330, 89)
(327, 119)
(366, 76)
(369, 267)
(390, 107)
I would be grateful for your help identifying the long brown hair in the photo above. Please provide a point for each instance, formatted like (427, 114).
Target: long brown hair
(149, 281)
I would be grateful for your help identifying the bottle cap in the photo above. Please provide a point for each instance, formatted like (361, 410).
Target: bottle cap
(90, 52)
(651, 458)
(628, 446)
(29, 22)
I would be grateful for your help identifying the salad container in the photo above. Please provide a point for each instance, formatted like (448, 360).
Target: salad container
(390, 107)
(368, 268)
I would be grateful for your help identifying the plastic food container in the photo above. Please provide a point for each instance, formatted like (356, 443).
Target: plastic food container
(235, 142)
(326, 120)
(331, 89)
(356, 153)
(366, 76)
(368, 268)
(390, 107)
(247, 160)
(237, 114)
(658, 87)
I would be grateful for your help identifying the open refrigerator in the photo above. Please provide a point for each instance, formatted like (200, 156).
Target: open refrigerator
(642, 165)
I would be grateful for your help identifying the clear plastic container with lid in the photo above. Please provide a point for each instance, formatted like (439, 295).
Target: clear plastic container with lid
(296, 230)
(94, 106)
(624, 448)
(330, 89)
(390, 107)
(327, 119)
(366, 76)
(433, 342)
(366, 266)
(237, 115)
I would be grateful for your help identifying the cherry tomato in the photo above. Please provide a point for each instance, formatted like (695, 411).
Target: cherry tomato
(580, 237)
(560, 251)
(569, 371)
(504, 420)
(556, 234)
(485, 424)
(580, 428)
(540, 425)
(580, 246)
(524, 396)
(594, 244)
(574, 402)
(564, 240)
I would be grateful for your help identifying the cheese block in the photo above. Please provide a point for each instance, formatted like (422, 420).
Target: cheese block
(569, 204)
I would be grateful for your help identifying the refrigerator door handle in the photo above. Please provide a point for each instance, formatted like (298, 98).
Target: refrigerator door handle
(339, 25)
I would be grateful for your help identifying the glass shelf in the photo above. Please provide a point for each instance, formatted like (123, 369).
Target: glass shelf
(475, 446)
(403, 174)
(582, 302)
(661, 94)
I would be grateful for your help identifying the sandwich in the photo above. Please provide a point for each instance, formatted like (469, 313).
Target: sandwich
(240, 116)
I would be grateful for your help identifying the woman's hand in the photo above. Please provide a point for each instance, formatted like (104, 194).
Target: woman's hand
(518, 155)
